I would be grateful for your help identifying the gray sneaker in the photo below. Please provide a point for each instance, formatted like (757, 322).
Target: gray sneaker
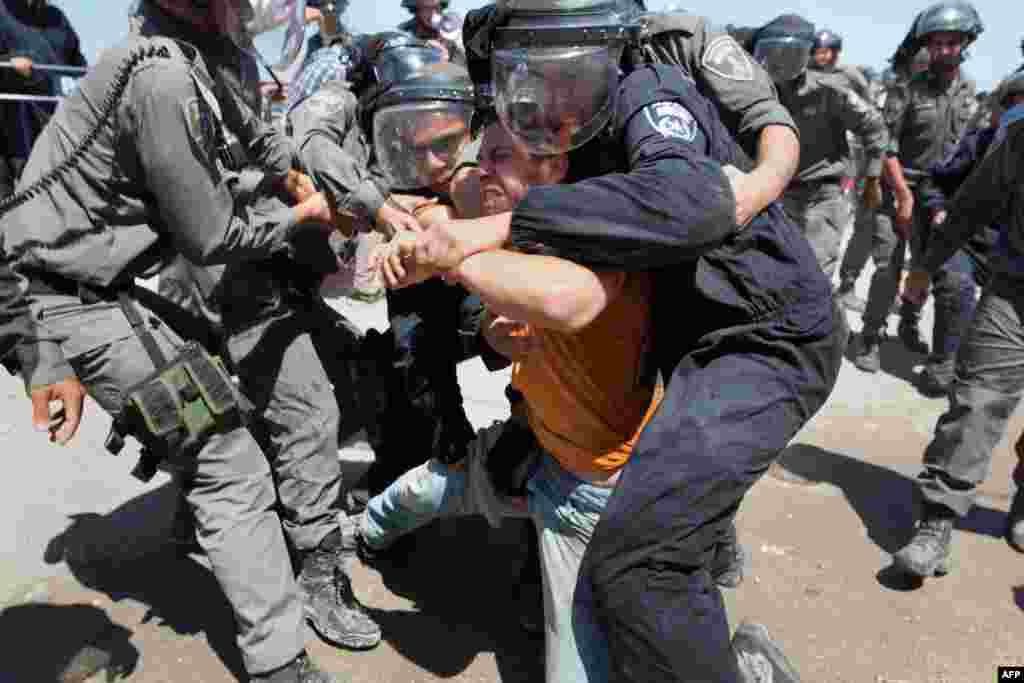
(1015, 522)
(868, 355)
(930, 551)
(331, 605)
(300, 670)
(759, 658)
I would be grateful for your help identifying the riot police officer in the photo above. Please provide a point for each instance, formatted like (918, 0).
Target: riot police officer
(824, 109)
(825, 51)
(397, 136)
(987, 386)
(926, 118)
(292, 355)
(651, 161)
(426, 22)
(135, 169)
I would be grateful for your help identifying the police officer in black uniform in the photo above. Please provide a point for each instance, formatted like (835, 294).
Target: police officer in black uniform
(653, 166)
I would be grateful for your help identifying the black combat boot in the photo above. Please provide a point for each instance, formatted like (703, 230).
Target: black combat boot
(299, 670)
(331, 605)
(1015, 522)
(730, 561)
(760, 659)
(930, 551)
(936, 378)
(910, 333)
(869, 354)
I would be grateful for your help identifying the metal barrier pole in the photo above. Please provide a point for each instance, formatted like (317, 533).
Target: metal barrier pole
(53, 68)
(13, 97)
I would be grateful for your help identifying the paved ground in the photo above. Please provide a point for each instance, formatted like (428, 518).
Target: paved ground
(82, 562)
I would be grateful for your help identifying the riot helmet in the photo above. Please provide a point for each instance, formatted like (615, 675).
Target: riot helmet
(829, 39)
(554, 66)
(952, 16)
(417, 107)
(825, 50)
(782, 46)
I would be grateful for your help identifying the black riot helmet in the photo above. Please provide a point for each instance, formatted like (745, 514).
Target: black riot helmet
(829, 39)
(416, 107)
(951, 16)
(411, 5)
(552, 66)
(783, 45)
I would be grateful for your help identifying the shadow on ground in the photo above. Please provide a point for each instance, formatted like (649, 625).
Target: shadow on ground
(884, 500)
(462, 577)
(62, 643)
(894, 358)
(125, 555)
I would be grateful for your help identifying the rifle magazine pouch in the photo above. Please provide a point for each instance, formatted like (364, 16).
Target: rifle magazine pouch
(175, 410)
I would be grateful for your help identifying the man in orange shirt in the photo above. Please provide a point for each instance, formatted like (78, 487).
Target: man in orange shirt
(588, 393)
(587, 397)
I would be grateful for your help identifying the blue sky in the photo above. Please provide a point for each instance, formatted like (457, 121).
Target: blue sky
(870, 28)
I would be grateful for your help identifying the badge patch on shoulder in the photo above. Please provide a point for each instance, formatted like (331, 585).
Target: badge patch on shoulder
(724, 57)
(672, 120)
(200, 124)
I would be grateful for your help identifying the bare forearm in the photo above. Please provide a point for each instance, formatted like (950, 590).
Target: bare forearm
(539, 290)
(778, 157)
(894, 175)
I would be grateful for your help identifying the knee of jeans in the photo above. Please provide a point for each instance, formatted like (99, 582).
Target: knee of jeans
(424, 489)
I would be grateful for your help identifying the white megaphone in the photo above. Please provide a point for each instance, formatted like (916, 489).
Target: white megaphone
(448, 24)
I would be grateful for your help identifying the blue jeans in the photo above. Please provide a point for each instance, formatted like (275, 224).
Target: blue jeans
(565, 511)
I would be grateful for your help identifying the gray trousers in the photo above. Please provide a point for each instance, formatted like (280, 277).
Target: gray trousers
(871, 238)
(988, 386)
(821, 211)
(231, 493)
(298, 370)
(888, 251)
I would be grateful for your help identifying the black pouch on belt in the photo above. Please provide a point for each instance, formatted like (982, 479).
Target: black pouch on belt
(175, 410)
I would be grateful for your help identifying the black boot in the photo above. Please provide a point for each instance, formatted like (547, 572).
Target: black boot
(730, 562)
(331, 605)
(910, 333)
(929, 553)
(760, 659)
(869, 355)
(299, 670)
(1015, 522)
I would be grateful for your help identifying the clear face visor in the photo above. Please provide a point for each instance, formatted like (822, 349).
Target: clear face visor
(419, 144)
(399, 64)
(783, 58)
(556, 99)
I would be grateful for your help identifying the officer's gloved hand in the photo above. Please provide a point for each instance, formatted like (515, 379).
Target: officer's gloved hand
(452, 436)
(505, 459)
(476, 37)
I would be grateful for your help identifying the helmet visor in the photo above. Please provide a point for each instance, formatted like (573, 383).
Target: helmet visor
(783, 58)
(399, 64)
(556, 99)
(419, 144)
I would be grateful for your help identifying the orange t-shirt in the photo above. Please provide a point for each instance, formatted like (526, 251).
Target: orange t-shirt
(588, 394)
